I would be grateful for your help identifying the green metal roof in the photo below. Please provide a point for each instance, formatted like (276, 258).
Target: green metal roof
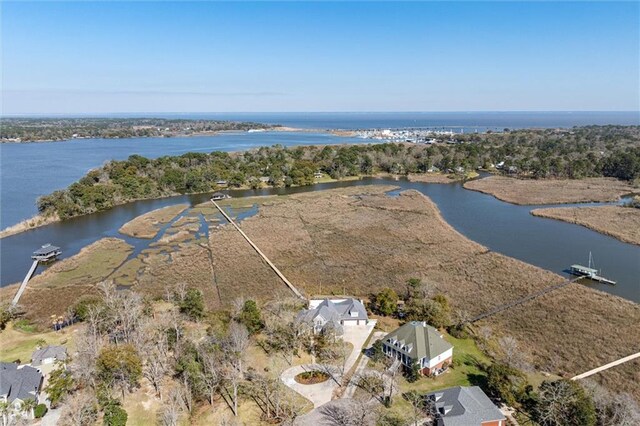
(419, 339)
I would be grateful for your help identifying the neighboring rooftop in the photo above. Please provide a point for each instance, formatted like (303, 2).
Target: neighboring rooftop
(464, 406)
(420, 340)
(19, 382)
(58, 353)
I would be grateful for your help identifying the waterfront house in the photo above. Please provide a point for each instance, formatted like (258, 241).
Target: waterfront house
(19, 383)
(48, 355)
(333, 314)
(416, 342)
(467, 406)
(222, 183)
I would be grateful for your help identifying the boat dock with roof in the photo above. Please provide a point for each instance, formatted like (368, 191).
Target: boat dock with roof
(46, 252)
(589, 272)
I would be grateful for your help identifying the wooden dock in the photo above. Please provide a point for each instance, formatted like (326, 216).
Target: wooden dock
(264, 257)
(16, 298)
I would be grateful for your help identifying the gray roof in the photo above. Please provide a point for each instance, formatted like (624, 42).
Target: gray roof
(57, 352)
(332, 310)
(419, 340)
(46, 249)
(464, 406)
(19, 383)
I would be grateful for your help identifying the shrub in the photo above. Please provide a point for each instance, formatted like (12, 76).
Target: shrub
(193, 304)
(385, 302)
(250, 317)
(40, 411)
(114, 415)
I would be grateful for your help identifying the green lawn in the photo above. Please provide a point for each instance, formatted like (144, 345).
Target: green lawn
(19, 345)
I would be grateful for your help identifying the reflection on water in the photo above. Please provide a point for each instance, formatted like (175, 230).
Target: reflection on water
(502, 227)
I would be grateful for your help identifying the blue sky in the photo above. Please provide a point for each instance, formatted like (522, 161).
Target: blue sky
(90, 57)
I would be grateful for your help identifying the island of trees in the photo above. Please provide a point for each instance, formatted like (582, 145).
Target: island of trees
(610, 151)
(58, 129)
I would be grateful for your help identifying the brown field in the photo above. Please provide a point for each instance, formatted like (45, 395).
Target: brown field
(550, 191)
(148, 225)
(357, 240)
(619, 222)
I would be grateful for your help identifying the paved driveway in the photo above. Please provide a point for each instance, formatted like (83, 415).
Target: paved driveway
(321, 393)
(357, 335)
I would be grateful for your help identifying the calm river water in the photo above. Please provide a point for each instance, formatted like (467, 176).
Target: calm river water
(503, 227)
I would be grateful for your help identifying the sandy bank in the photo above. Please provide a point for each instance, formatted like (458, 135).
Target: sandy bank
(551, 191)
(34, 222)
(619, 222)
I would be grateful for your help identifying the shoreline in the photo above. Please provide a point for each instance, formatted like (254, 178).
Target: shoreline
(164, 136)
(603, 220)
(38, 220)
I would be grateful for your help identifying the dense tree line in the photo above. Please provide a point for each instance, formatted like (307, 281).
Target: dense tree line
(586, 152)
(56, 129)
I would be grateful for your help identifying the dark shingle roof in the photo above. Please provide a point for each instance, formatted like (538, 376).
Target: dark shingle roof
(464, 406)
(57, 352)
(19, 383)
(335, 310)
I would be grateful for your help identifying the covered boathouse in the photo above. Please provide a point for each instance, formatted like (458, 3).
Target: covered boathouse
(46, 252)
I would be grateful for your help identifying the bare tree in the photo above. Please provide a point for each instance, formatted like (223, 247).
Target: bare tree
(173, 407)
(81, 410)
(613, 409)
(269, 393)
(513, 355)
(212, 372)
(348, 412)
(157, 364)
(234, 348)
(333, 359)
(380, 386)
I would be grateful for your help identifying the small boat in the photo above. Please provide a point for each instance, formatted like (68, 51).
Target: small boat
(589, 272)
(219, 196)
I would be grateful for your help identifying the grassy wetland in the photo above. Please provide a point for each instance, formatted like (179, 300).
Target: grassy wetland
(552, 191)
(359, 240)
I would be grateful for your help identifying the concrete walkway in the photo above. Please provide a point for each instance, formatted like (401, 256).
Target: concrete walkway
(606, 366)
(351, 389)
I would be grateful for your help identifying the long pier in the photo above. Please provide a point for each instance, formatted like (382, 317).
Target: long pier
(16, 298)
(606, 366)
(523, 300)
(264, 257)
